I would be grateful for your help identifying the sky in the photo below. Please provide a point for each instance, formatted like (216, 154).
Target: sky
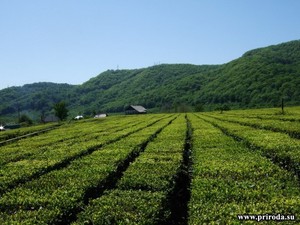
(71, 41)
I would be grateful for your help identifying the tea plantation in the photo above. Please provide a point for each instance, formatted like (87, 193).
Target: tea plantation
(234, 167)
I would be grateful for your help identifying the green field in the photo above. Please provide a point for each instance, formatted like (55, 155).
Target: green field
(192, 168)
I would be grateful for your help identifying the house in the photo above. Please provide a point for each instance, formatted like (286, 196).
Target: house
(79, 117)
(101, 115)
(135, 109)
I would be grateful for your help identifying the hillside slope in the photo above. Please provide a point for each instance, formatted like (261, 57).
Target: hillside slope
(260, 78)
(157, 86)
(32, 98)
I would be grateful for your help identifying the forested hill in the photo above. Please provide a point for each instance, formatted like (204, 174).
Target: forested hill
(259, 78)
(37, 97)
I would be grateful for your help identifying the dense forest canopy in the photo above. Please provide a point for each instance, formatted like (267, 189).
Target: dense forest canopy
(260, 78)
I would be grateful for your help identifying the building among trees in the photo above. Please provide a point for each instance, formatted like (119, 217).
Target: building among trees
(135, 109)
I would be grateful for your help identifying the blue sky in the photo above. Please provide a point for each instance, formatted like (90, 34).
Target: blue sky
(71, 41)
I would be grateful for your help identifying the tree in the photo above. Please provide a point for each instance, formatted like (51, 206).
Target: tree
(25, 120)
(199, 107)
(43, 116)
(222, 108)
(61, 110)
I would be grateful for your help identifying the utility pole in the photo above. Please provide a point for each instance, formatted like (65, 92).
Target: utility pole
(282, 105)
(18, 109)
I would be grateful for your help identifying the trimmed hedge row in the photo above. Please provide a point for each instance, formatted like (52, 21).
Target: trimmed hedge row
(141, 196)
(291, 114)
(59, 194)
(66, 135)
(279, 147)
(60, 154)
(9, 134)
(289, 127)
(229, 180)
